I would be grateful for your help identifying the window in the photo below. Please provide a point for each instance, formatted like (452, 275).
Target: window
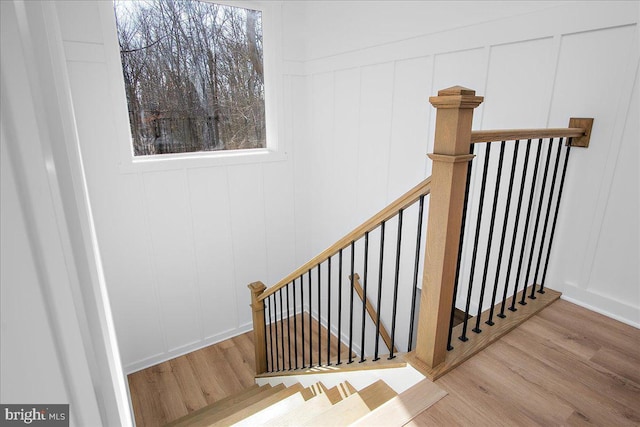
(193, 74)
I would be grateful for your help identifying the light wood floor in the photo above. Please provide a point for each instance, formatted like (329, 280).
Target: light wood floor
(564, 366)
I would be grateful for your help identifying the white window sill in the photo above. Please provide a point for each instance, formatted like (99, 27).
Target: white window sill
(163, 162)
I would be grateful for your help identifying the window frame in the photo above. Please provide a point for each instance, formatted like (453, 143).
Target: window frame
(272, 62)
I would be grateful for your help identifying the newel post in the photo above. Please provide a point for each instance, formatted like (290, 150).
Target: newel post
(448, 180)
(257, 309)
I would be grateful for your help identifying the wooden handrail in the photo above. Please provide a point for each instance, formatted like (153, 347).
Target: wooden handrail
(521, 134)
(402, 202)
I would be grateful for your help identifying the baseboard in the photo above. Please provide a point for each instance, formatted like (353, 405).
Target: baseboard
(181, 351)
(601, 311)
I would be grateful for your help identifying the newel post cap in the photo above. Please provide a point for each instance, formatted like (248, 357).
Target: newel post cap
(257, 287)
(456, 97)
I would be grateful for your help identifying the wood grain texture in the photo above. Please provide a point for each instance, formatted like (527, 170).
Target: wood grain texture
(583, 140)
(242, 410)
(402, 202)
(276, 410)
(339, 392)
(301, 414)
(524, 134)
(564, 366)
(450, 162)
(220, 405)
(166, 392)
(215, 412)
(403, 408)
(477, 342)
(257, 314)
(383, 363)
(355, 406)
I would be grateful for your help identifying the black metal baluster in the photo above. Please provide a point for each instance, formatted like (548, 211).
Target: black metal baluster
(264, 322)
(288, 327)
(395, 287)
(302, 317)
(339, 306)
(546, 219)
(353, 244)
(381, 262)
(526, 229)
(483, 188)
(415, 274)
(492, 223)
(281, 326)
(515, 234)
(319, 320)
(555, 216)
(310, 324)
(275, 324)
(295, 325)
(460, 246)
(535, 228)
(329, 312)
(267, 310)
(504, 235)
(364, 294)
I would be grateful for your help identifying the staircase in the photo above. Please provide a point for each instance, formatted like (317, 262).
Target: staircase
(317, 405)
(328, 316)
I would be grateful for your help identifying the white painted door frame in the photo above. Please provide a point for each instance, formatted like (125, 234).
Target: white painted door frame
(54, 200)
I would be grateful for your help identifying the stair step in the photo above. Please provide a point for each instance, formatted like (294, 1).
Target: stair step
(220, 405)
(302, 414)
(245, 410)
(313, 390)
(276, 410)
(355, 406)
(286, 406)
(340, 392)
(235, 403)
(315, 406)
(382, 363)
(403, 408)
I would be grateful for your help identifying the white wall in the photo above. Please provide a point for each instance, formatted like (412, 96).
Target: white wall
(369, 74)
(180, 243)
(180, 240)
(57, 339)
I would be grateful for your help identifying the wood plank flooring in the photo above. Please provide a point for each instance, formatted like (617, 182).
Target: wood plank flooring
(293, 345)
(564, 366)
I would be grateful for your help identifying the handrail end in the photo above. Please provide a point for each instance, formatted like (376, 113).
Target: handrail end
(587, 125)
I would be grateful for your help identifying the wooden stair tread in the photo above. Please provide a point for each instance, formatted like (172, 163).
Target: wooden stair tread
(320, 403)
(278, 409)
(403, 408)
(355, 406)
(244, 410)
(340, 392)
(383, 363)
(313, 390)
(205, 418)
(298, 416)
(220, 405)
(285, 406)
